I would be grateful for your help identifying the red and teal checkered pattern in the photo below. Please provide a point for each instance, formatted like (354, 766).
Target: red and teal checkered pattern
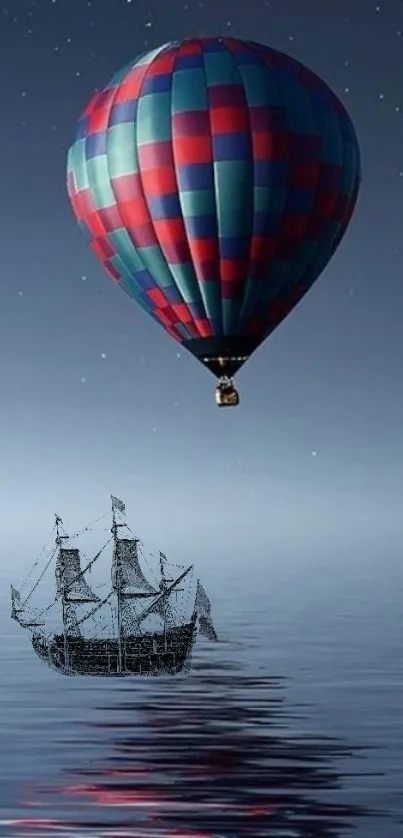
(215, 179)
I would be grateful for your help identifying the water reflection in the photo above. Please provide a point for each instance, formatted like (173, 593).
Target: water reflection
(209, 756)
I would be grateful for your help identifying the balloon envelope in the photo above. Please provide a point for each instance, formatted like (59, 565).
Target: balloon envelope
(214, 179)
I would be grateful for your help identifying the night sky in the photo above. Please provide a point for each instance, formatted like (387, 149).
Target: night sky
(96, 398)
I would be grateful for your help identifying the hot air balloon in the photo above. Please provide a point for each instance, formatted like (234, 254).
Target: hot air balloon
(215, 178)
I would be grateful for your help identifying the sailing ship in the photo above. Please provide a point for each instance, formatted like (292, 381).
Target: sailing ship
(137, 629)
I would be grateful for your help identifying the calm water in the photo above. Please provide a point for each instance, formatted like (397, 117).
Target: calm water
(291, 726)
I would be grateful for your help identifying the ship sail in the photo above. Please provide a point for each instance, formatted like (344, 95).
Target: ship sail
(161, 597)
(203, 608)
(129, 619)
(22, 614)
(126, 571)
(15, 603)
(158, 608)
(71, 620)
(69, 578)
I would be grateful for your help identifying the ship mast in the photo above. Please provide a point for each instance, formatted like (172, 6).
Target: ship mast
(59, 540)
(163, 589)
(114, 531)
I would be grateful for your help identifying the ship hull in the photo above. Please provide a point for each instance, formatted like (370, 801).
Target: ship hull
(146, 654)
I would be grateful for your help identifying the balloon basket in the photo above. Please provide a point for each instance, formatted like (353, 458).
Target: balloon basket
(226, 394)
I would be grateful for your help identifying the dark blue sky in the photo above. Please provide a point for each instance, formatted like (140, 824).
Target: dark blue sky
(97, 398)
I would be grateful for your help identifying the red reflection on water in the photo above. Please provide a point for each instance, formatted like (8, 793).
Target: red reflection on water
(35, 823)
(64, 826)
(130, 797)
(111, 797)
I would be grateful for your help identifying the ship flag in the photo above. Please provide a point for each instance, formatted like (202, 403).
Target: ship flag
(118, 505)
